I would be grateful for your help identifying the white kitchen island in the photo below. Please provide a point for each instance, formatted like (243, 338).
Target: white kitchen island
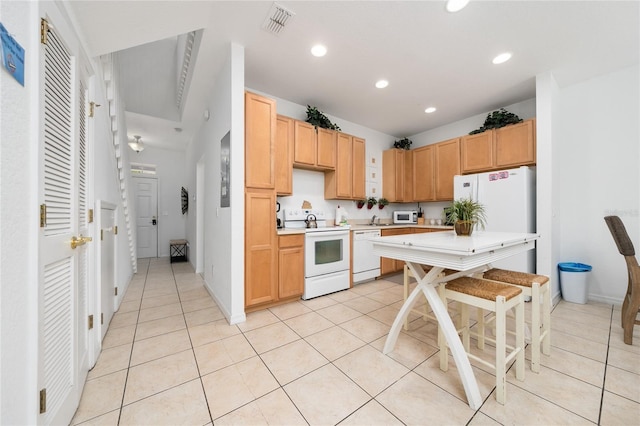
(447, 250)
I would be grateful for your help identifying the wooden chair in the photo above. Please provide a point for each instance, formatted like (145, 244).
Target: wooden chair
(498, 298)
(536, 287)
(631, 303)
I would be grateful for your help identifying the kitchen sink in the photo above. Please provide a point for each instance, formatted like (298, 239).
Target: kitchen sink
(379, 224)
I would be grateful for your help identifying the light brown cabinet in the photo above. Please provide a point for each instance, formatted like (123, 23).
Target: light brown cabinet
(424, 174)
(290, 266)
(397, 175)
(447, 161)
(387, 265)
(313, 148)
(260, 134)
(347, 181)
(284, 156)
(509, 146)
(433, 168)
(260, 247)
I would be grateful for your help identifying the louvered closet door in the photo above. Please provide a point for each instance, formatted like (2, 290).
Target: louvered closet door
(62, 270)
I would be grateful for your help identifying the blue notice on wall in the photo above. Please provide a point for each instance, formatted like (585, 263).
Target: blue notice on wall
(12, 55)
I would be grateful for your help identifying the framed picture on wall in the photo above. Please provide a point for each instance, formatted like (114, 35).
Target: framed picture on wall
(184, 199)
(225, 170)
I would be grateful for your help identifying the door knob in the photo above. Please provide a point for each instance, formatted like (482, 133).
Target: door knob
(79, 241)
(154, 222)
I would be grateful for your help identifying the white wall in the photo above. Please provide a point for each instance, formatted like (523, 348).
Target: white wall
(223, 231)
(171, 175)
(598, 148)
(18, 214)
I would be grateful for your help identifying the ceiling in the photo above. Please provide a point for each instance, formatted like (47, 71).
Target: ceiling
(429, 56)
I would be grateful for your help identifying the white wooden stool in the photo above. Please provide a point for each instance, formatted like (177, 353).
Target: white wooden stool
(498, 298)
(536, 287)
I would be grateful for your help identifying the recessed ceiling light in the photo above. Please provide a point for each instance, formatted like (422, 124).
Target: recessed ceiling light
(381, 84)
(430, 110)
(501, 58)
(456, 5)
(318, 50)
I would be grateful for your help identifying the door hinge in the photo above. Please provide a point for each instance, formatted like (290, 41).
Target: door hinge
(116, 291)
(44, 29)
(90, 216)
(115, 230)
(101, 318)
(92, 107)
(101, 234)
(90, 322)
(43, 215)
(43, 400)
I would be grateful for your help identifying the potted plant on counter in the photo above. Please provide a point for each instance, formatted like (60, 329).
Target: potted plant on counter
(371, 201)
(382, 202)
(465, 215)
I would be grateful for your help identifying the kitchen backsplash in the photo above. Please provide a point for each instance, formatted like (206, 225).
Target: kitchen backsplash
(309, 186)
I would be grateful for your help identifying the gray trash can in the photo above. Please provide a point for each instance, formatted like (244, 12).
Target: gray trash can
(573, 281)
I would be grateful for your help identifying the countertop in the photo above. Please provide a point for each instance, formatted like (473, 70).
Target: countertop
(361, 227)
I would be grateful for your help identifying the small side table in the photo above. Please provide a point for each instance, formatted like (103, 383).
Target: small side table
(178, 250)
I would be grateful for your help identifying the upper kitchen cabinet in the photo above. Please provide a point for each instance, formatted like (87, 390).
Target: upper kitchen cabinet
(284, 155)
(447, 161)
(434, 167)
(424, 174)
(347, 181)
(397, 175)
(260, 135)
(313, 148)
(509, 146)
(515, 145)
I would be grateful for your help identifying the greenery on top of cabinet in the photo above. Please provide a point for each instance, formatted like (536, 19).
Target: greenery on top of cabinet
(497, 119)
(318, 119)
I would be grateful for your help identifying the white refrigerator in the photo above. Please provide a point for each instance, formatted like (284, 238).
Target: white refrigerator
(509, 199)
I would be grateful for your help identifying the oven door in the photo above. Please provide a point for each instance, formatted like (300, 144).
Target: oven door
(326, 252)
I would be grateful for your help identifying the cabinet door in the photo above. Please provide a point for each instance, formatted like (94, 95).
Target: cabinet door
(393, 174)
(343, 166)
(392, 265)
(326, 145)
(477, 152)
(447, 158)
(260, 135)
(424, 174)
(358, 172)
(284, 155)
(291, 266)
(407, 184)
(515, 145)
(304, 144)
(260, 247)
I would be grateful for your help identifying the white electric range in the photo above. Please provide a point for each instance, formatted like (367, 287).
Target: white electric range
(326, 252)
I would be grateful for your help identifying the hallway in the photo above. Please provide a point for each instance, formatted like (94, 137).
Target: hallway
(170, 357)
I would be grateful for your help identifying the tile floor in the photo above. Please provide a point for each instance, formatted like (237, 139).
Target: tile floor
(170, 357)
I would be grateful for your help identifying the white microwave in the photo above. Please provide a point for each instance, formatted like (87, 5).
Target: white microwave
(405, 216)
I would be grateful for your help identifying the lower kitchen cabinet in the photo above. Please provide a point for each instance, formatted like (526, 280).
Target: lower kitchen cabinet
(260, 247)
(290, 266)
(388, 266)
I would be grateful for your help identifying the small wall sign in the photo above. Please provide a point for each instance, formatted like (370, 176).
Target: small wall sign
(12, 55)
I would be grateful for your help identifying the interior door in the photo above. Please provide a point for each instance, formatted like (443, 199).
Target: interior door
(107, 266)
(62, 251)
(146, 190)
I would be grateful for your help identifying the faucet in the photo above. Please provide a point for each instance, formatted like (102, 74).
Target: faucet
(373, 220)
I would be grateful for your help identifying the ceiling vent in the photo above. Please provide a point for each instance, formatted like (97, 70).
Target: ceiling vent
(277, 19)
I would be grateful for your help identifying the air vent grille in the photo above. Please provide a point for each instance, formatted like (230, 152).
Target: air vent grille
(277, 19)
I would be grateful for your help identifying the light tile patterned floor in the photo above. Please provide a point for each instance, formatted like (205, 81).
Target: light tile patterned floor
(170, 357)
